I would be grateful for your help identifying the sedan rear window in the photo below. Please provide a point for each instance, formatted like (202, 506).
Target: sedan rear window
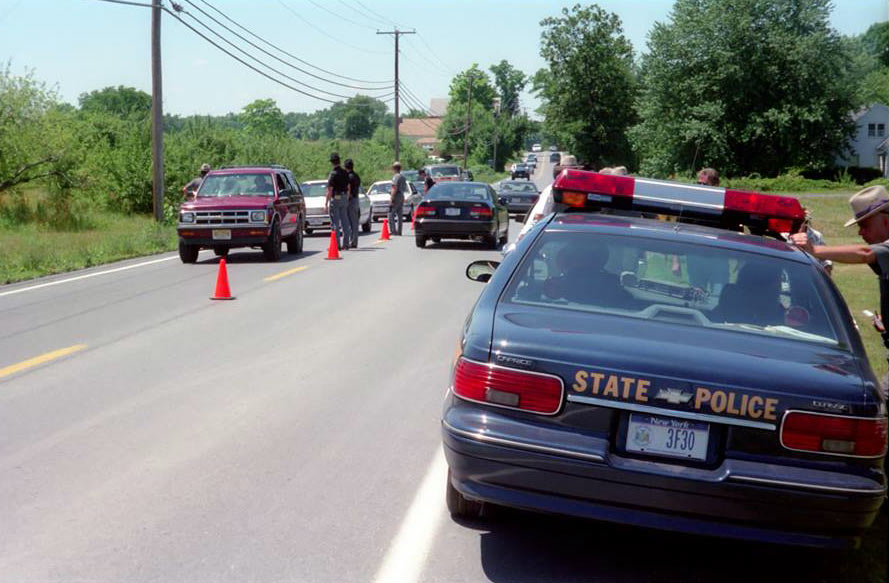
(675, 282)
(437, 171)
(525, 187)
(459, 191)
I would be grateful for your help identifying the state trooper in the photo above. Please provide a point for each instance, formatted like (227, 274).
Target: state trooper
(354, 206)
(336, 202)
(396, 200)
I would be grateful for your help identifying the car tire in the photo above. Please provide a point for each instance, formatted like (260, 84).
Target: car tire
(490, 241)
(365, 228)
(504, 238)
(271, 249)
(308, 231)
(295, 243)
(420, 241)
(436, 239)
(461, 507)
(188, 253)
(221, 251)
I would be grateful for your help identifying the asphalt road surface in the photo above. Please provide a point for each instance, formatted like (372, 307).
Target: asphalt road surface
(148, 433)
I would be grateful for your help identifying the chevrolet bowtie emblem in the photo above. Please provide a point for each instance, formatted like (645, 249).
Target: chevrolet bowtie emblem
(674, 396)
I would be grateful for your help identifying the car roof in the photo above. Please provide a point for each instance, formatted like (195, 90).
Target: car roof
(248, 170)
(313, 182)
(689, 233)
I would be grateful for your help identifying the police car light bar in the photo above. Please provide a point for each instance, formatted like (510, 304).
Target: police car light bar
(583, 189)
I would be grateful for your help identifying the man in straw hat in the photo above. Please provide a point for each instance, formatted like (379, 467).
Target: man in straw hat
(871, 209)
(396, 200)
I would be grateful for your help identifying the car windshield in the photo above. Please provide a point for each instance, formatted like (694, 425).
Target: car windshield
(437, 171)
(380, 188)
(316, 189)
(459, 191)
(246, 184)
(522, 187)
(673, 282)
(411, 175)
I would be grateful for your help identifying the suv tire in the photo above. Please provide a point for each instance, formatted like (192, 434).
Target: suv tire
(188, 253)
(420, 240)
(295, 242)
(271, 249)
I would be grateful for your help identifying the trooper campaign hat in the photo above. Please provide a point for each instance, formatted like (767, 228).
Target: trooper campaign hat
(868, 202)
(205, 167)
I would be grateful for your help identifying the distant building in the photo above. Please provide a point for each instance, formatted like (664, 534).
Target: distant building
(423, 130)
(868, 147)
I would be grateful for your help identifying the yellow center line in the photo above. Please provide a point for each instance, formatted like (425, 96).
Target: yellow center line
(14, 368)
(286, 273)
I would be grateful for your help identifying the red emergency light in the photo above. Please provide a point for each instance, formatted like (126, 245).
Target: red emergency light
(582, 189)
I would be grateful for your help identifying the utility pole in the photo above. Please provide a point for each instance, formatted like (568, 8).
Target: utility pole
(496, 122)
(397, 33)
(468, 122)
(157, 112)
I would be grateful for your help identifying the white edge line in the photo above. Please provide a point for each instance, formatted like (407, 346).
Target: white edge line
(407, 552)
(86, 276)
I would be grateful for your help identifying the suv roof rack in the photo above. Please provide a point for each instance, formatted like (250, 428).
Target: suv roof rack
(275, 166)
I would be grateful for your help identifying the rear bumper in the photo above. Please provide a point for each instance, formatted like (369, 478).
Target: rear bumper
(519, 207)
(454, 228)
(514, 463)
(318, 222)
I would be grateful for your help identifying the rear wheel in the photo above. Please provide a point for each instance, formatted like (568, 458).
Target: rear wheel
(420, 241)
(188, 253)
(504, 238)
(272, 248)
(460, 506)
(490, 241)
(220, 251)
(436, 239)
(308, 231)
(365, 228)
(295, 242)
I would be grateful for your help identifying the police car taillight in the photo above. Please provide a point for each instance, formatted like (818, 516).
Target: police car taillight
(834, 434)
(506, 387)
(582, 189)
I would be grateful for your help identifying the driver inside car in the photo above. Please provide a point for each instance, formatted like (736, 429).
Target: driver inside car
(582, 278)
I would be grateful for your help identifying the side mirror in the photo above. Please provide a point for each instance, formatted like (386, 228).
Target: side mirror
(481, 270)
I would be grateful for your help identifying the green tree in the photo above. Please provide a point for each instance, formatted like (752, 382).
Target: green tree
(743, 86)
(588, 89)
(510, 82)
(263, 117)
(121, 101)
(875, 42)
(358, 117)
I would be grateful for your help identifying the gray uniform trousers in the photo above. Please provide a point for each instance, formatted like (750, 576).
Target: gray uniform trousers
(339, 220)
(396, 214)
(354, 211)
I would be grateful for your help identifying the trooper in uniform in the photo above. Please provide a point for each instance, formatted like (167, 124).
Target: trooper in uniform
(336, 202)
(428, 182)
(396, 200)
(354, 207)
(190, 189)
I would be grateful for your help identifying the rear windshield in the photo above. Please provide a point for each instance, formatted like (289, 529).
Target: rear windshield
(524, 187)
(437, 171)
(237, 185)
(459, 191)
(411, 175)
(674, 282)
(319, 189)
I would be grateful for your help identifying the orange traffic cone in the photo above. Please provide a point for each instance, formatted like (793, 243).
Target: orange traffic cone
(333, 250)
(384, 236)
(222, 291)
(413, 216)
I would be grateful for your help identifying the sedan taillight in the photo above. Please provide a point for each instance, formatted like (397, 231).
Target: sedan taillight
(480, 212)
(425, 210)
(834, 434)
(505, 387)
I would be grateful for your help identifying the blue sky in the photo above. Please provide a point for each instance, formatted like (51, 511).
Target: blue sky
(82, 45)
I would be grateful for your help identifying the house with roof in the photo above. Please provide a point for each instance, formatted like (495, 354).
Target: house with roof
(423, 130)
(868, 147)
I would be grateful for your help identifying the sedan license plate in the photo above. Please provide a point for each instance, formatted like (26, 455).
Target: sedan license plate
(316, 221)
(667, 436)
(222, 234)
(452, 212)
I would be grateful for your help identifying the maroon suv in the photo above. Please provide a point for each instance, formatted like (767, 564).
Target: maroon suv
(255, 206)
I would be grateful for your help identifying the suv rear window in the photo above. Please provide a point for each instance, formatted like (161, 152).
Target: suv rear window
(437, 171)
(675, 282)
(245, 184)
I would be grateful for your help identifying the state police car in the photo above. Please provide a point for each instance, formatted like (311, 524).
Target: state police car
(731, 396)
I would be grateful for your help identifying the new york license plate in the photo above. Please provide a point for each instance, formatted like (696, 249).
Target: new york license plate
(222, 234)
(667, 436)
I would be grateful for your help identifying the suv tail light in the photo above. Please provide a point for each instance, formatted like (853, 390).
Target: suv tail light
(425, 210)
(505, 387)
(834, 434)
(480, 212)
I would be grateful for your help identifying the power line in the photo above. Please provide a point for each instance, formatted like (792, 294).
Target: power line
(363, 12)
(340, 16)
(383, 18)
(434, 54)
(325, 33)
(267, 66)
(294, 56)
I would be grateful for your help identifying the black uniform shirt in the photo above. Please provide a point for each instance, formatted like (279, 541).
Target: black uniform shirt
(354, 183)
(429, 182)
(338, 180)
